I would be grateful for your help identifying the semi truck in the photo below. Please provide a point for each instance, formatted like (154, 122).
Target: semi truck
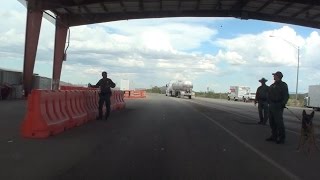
(179, 89)
(313, 98)
(237, 93)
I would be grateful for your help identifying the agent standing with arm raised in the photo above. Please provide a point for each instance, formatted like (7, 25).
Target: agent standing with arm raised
(105, 84)
(278, 97)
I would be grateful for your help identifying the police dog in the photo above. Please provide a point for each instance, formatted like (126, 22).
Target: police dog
(307, 132)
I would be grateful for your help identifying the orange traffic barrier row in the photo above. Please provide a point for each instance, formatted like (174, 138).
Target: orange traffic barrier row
(135, 94)
(51, 112)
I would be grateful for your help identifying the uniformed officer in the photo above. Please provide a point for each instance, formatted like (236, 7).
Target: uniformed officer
(278, 97)
(105, 92)
(261, 99)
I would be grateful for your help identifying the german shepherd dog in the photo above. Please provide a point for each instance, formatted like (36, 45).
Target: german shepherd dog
(307, 132)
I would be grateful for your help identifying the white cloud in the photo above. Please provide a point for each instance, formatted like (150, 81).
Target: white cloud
(131, 62)
(177, 34)
(262, 49)
(92, 71)
(231, 57)
(156, 40)
(311, 56)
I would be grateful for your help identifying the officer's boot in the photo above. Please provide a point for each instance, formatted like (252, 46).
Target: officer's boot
(281, 138)
(107, 114)
(273, 136)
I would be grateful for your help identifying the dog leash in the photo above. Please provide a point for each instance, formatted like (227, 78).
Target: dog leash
(293, 113)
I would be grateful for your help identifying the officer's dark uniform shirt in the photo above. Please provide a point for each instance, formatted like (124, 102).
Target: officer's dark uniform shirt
(278, 93)
(262, 93)
(105, 85)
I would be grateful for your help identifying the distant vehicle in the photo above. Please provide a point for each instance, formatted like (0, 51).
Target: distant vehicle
(179, 89)
(237, 93)
(313, 98)
(249, 97)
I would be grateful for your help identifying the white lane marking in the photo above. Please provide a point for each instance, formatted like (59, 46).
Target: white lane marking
(259, 153)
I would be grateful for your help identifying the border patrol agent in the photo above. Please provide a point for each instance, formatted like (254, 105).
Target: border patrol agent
(278, 97)
(105, 92)
(261, 99)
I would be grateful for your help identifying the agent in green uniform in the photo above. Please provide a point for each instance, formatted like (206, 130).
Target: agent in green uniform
(278, 97)
(105, 92)
(261, 99)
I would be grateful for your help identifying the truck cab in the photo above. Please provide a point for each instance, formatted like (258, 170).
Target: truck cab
(169, 89)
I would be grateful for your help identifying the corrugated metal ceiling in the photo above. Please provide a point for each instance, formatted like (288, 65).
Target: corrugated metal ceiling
(80, 12)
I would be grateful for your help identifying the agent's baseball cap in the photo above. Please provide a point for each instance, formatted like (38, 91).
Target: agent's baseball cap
(278, 73)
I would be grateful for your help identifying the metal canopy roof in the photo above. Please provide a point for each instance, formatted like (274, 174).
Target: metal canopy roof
(81, 12)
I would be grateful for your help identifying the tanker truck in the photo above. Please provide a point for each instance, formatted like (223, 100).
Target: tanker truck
(179, 89)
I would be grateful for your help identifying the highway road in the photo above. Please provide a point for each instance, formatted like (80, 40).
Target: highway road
(159, 137)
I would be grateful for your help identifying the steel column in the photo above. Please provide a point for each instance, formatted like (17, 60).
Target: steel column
(33, 26)
(59, 46)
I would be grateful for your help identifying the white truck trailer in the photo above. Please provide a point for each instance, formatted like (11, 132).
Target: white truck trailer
(179, 89)
(313, 98)
(237, 93)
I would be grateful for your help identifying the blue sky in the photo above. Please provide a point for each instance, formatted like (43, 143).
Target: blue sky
(213, 53)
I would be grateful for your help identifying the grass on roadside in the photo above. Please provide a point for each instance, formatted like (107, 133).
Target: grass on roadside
(291, 102)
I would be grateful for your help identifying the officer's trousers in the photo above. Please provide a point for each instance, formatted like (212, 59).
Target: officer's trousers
(263, 108)
(104, 99)
(276, 121)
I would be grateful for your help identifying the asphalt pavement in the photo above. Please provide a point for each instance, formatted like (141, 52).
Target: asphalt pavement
(158, 137)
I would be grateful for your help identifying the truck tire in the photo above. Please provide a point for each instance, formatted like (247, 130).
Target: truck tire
(190, 97)
(228, 98)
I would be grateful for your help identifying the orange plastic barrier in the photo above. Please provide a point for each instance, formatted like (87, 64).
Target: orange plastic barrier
(120, 100)
(81, 104)
(74, 88)
(135, 94)
(113, 105)
(59, 99)
(89, 106)
(123, 103)
(45, 115)
(76, 114)
(116, 101)
(143, 94)
(126, 94)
